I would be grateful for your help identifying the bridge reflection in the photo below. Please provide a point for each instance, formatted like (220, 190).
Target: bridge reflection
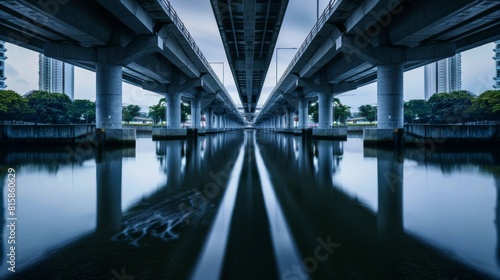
(285, 207)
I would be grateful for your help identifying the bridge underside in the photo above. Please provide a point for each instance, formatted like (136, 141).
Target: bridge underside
(249, 30)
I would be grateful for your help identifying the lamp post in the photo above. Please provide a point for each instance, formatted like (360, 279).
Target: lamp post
(277, 49)
(223, 66)
(317, 10)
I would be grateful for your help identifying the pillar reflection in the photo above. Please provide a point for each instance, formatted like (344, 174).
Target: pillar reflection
(109, 190)
(390, 192)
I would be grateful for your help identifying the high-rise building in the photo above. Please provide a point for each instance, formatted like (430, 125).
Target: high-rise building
(443, 76)
(2, 65)
(497, 63)
(55, 76)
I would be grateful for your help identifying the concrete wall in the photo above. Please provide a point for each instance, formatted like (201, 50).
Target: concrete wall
(44, 133)
(454, 133)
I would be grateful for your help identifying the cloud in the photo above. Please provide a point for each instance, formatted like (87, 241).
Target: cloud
(22, 82)
(10, 71)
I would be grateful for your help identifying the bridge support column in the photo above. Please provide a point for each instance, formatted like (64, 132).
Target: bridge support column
(109, 107)
(303, 113)
(173, 110)
(389, 129)
(195, 113)
(290, 115)
(390, 96)
(209, 119)
(325, 110)
(108, 96)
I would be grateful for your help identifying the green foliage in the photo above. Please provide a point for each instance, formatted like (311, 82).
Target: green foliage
(157, 112)
(49, 107)
(487, 105)
(129, 112)
(12, 105)
(451, 107)
(417, 110)
(369, 112)
(342, 112)
(185, 111)
(314, 111)
(82, 110)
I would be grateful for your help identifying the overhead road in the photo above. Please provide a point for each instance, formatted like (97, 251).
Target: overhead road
(249, 31)
(358, 42)
(143, 43)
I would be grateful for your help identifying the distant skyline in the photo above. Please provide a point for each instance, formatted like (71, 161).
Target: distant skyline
(444, 75)
(478, 67)
(56, 76)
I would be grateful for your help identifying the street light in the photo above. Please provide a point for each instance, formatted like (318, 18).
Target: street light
(277, 49)
(220, 62)
(317, 10)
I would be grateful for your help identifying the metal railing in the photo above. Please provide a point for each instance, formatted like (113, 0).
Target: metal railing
(182, 28)
(314, 31)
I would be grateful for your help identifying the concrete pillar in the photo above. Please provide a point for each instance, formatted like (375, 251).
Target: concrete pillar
(325, 109)
(290, 115)
(173, 110)
(195, 113)
(303, 113)
(282, 121)
(209, 119)
(108, 96)
(390, 96)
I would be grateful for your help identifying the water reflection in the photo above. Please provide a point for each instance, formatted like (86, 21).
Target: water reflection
(257, 205)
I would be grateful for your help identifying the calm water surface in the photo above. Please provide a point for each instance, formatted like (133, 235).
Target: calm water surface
(253, 205)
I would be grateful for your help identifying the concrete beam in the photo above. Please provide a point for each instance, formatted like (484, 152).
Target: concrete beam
(391, 55)
(321, 56)
(175, 54)
(131, 14)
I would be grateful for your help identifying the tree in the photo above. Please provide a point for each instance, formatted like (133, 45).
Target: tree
(314, 111)
(486, 106)
(417, 110)
(82, 109)
(369, 112)
(342, 112)
(12, 105)
(185, 111)
(49, 107)
(129, 112)
(451, 107)
(157, 112)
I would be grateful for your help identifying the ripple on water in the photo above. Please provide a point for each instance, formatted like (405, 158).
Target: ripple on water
(164, 221)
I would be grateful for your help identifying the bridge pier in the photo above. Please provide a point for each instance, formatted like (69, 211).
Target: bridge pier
(109, 106)
(325, 109)
(173, 117)
(290, 115)
(390, 106)
(303, 113)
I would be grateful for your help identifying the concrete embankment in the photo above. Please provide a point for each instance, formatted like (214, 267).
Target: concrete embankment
(453, 134)
(64, 134)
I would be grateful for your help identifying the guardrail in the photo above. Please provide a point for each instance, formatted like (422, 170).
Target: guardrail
(180, 25)
(314, 31)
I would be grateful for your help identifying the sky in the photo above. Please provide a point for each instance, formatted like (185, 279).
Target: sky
(478, 67)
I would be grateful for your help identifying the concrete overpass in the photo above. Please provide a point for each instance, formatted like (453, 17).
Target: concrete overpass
(249, 30)
(357, 42)
(143, 43)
